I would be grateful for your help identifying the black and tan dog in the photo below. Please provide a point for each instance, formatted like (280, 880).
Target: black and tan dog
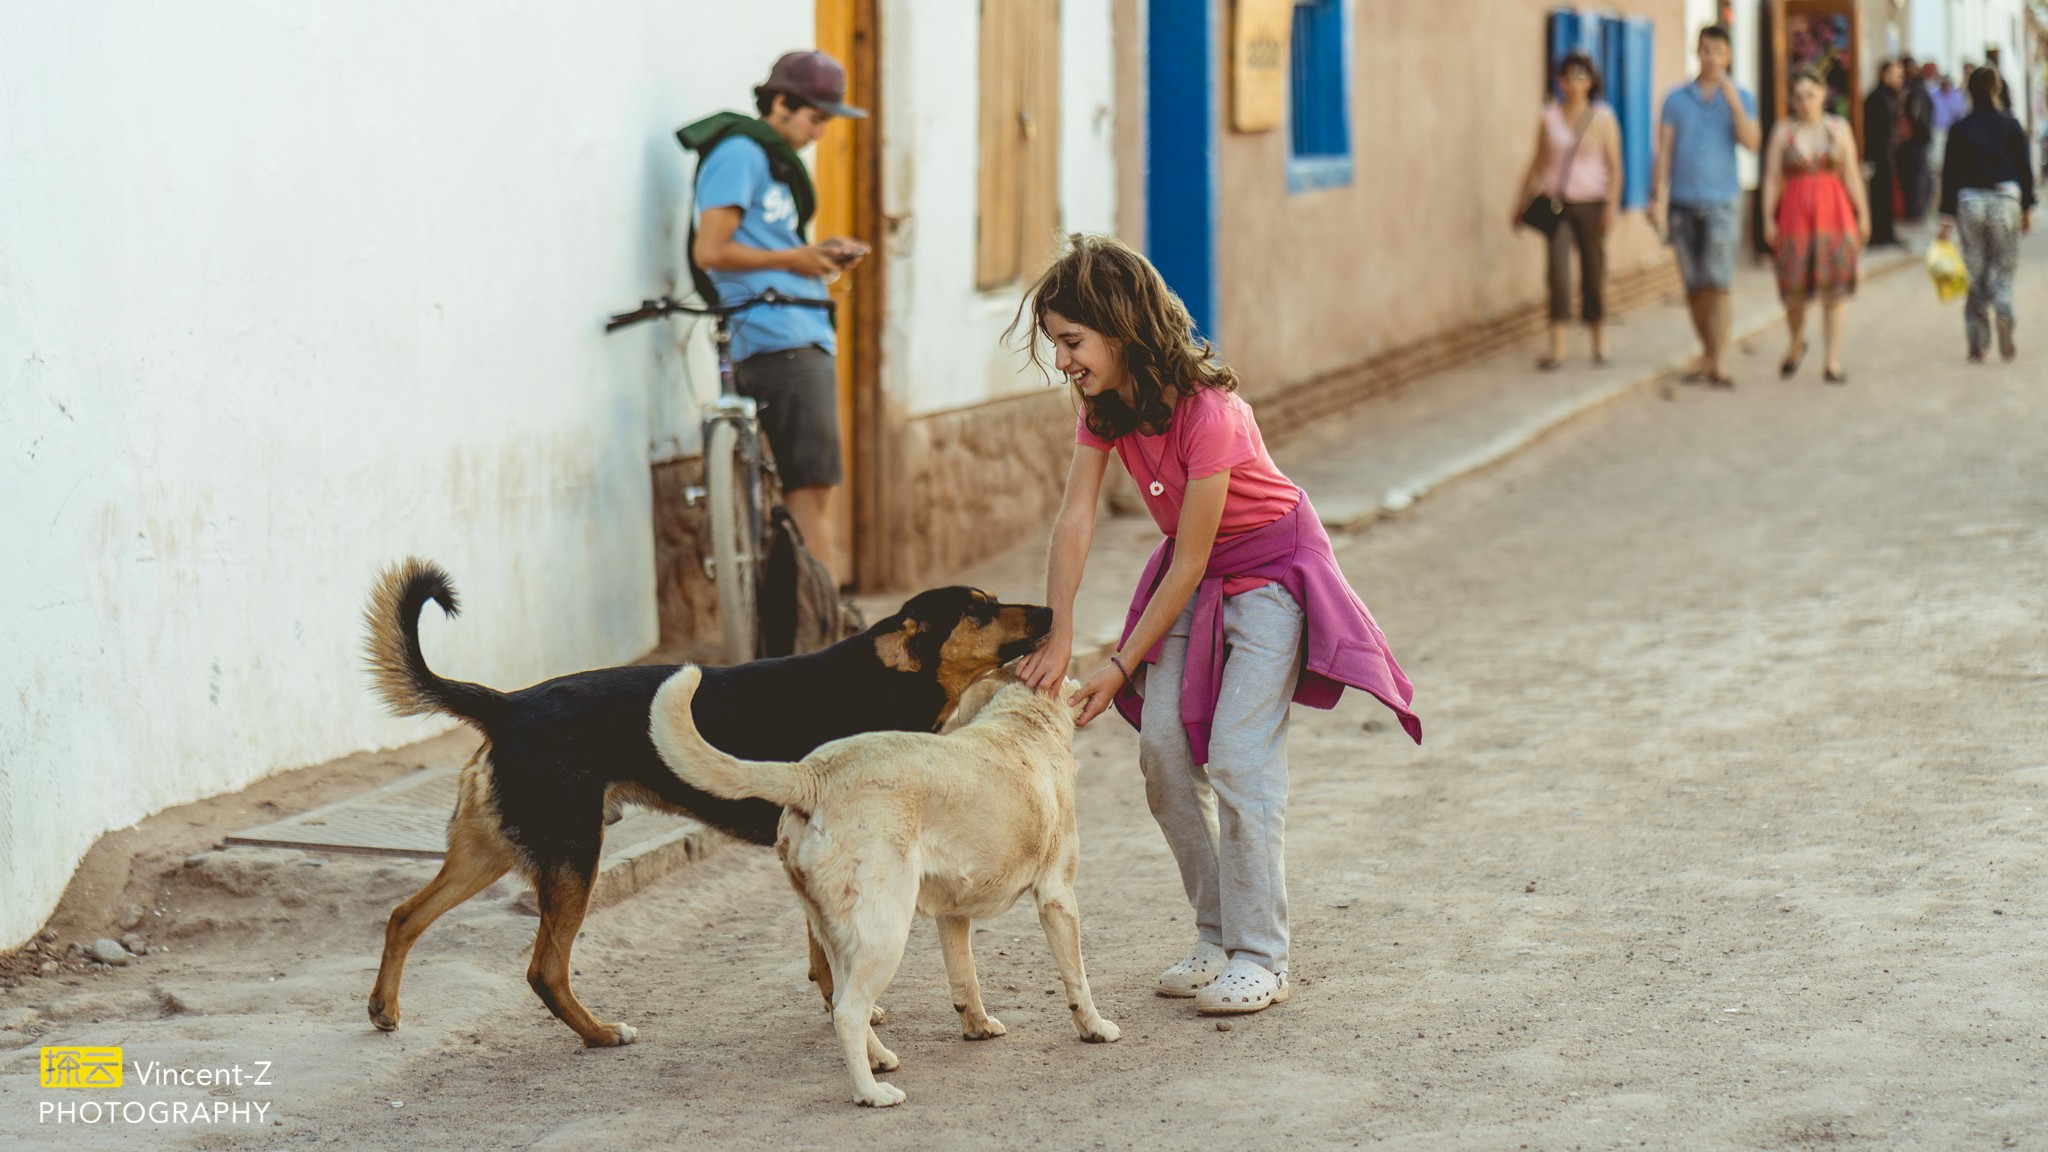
(559, 755)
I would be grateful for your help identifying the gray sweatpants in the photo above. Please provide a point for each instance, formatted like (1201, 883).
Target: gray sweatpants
(1226, 824)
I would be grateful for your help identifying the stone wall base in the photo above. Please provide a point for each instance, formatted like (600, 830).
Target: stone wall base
(686, 598)
(975, 481)
(1286, 409)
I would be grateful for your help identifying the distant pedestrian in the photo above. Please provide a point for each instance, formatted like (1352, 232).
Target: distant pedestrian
(1241, 610)
(1577, 171)
(1916, 110)
(1815, 219)
(1881, 143)
(1987, 194)
(1696, 195)
(1950, 105)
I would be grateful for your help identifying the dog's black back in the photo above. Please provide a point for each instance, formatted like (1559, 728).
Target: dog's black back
(559, 747)
(585, 732)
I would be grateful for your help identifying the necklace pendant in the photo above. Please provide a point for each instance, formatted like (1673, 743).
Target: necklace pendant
(1158, 489)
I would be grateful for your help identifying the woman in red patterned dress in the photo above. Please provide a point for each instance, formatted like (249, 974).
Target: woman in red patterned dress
(1816, 218)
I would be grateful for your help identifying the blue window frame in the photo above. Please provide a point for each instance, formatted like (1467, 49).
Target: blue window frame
(1319, 144)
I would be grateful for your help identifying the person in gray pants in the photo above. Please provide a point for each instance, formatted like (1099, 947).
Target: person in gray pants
(1987, 193)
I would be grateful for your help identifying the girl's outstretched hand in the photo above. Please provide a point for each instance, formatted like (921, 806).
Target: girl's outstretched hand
(1046, 668)
(1097, 693)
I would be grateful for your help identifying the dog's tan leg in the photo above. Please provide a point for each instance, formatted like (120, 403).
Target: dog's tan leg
(821, 969)
(956, 944)
(820, 963)
(1060, 915)
(865, 953)
(473, 862)
(564, 898)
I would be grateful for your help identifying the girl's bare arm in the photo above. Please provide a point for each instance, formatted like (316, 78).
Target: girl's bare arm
(1072, 534)
(1774, 180)
(1851, 169)
(1200, 515)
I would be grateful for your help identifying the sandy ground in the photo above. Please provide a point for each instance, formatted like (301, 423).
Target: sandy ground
(1729, 833)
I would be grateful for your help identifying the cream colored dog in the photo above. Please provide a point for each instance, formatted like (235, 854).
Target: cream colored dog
(879, 827)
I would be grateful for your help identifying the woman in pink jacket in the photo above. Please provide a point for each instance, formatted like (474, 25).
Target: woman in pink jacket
(1241, 610)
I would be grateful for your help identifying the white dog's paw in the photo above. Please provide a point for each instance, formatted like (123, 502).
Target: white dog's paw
(883, 1095)
(1102, 1033)
(877, 1015)
(989, 1030)
(880, 1059)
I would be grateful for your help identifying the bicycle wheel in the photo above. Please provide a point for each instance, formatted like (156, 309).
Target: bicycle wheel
(734, 539)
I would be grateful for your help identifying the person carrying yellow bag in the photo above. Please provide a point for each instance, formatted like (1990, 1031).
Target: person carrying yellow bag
(1945, 267)
(1987, 202)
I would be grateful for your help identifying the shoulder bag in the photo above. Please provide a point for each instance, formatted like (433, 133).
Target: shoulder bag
(1545, 213)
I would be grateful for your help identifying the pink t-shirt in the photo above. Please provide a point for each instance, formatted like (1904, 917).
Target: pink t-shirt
(1211, 430)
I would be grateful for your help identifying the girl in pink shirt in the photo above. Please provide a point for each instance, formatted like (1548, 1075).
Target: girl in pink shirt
(1241, 610)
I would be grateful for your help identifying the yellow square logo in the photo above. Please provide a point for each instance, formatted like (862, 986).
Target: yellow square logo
(81, 1067)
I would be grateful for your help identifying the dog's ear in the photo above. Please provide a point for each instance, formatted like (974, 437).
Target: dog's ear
(893, 648)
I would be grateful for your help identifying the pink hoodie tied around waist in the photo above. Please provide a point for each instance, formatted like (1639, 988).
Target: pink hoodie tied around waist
(1342, 646)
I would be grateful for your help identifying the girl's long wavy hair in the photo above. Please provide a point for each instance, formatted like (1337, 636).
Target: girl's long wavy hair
(1104, 284)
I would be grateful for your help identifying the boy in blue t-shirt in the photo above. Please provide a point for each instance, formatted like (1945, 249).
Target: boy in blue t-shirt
(753, 201)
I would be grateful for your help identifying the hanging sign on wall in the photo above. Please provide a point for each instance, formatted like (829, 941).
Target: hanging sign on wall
(1260, 35)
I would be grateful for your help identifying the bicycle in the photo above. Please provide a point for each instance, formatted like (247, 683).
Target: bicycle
(734, 471)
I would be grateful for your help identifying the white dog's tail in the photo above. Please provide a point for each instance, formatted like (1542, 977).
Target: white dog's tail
(689, 756)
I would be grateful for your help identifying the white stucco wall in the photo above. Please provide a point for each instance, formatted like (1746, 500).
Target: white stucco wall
(943, 346)
(288, 292)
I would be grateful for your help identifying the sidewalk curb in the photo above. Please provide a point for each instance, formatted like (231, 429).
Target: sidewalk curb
(1401, 497)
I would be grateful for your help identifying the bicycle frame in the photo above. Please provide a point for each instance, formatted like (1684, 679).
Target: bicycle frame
(744, 413)
(738, 523)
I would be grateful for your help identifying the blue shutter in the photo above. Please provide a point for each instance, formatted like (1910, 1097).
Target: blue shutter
(1182, 112)
(1633, 104)
(1319, 105)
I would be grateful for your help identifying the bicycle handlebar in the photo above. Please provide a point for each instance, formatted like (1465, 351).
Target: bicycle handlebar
(670, 306)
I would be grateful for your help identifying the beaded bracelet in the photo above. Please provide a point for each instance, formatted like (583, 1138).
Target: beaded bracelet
(1120, 667)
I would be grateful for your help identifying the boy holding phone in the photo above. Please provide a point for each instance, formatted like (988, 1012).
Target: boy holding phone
(754, 203)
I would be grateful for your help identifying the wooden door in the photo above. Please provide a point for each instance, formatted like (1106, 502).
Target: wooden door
(1823, 36)
(841, 168)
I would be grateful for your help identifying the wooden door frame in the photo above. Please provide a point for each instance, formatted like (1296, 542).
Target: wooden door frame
(869, 548)
(1781, 79)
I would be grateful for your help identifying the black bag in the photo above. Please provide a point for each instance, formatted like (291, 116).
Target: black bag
(1546, 213)
(799, 606)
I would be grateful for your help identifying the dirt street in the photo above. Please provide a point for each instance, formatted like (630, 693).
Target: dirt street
(1730, 832)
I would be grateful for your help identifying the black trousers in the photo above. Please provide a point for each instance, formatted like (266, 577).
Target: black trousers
(1912, 169)
(1581, 227)
(1882, 180)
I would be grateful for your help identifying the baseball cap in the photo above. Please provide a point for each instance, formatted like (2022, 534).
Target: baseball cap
(816, 79)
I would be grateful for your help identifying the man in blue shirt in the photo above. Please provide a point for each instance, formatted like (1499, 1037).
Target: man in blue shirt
(754, 203)
(1696, 195)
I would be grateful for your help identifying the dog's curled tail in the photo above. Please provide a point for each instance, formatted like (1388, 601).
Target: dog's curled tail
(391, 644)
(698, 764)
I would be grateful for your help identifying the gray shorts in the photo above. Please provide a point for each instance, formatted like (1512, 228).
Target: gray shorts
(798, 393)
(1705, 237)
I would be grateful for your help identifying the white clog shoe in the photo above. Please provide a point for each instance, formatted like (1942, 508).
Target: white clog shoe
(1194, 972)
(1244, 986)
